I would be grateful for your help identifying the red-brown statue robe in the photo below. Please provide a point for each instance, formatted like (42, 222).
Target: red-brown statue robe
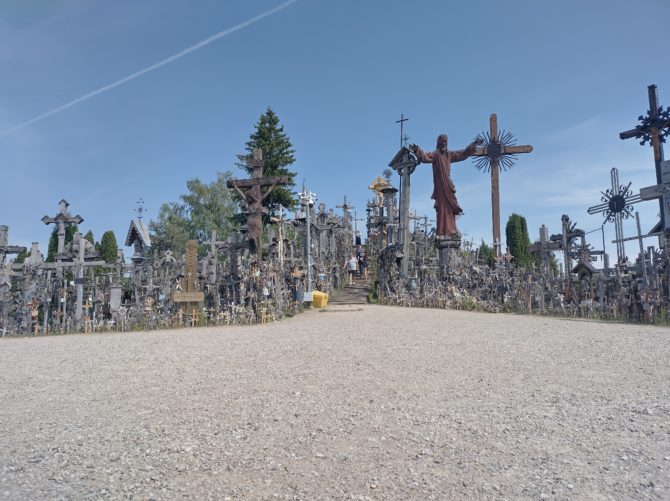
(444, 191)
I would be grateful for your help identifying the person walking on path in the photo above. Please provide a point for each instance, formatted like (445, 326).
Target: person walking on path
(364, 264)
(352, 266)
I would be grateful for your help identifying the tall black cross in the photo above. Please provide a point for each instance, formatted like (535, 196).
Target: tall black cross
(402, 122)
(654, 127)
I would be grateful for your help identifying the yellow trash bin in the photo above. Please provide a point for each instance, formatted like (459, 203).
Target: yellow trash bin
(319, 299)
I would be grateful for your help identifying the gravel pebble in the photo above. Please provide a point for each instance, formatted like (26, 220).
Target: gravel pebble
(378, 403)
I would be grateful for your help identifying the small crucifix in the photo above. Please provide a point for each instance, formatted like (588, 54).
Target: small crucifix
(498, 150)
(254, 197)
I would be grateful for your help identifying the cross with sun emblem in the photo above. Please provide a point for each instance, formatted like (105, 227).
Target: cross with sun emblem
(617, 205)
(499, 150)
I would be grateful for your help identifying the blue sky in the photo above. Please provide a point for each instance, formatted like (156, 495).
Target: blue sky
(565, 77)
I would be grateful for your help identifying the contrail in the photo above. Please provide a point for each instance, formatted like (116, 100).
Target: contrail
(148, 69)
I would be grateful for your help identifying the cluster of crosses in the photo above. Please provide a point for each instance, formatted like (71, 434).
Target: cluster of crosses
(262, 272)
(273, 264)
(416, 269)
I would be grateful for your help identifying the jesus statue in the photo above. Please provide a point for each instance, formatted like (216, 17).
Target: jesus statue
(444, 191)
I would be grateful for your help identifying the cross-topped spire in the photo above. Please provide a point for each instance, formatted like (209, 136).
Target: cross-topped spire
(402, 121)
(140, 209)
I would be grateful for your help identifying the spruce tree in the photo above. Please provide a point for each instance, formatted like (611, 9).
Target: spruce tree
(108, 247)
(53, 246)
(518, 242)
(21, 257)
(278, 156)
(486, 254)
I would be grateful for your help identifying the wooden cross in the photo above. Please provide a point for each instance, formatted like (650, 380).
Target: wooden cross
(254, 197)
(280, 239)
(214, 244)
(34, 305)
(495, 151)
(654, 127)
(662, 192)
(34, 313)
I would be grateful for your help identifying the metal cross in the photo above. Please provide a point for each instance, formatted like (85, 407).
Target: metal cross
(401, 122)
(654, 127)
(140, 208)
(617, 205)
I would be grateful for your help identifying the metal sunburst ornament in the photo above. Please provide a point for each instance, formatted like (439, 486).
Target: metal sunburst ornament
(617, 205)
(495, 148)
(659, 120)
(617, 202)
(498, 149)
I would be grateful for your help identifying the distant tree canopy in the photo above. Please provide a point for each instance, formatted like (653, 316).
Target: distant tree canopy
(486, 254)
(108, 247)
(278, 156)
(518, 242)
(22, 256)
(204, 208)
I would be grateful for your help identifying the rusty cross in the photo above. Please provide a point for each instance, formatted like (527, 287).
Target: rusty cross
(254, 197)
(497, 149)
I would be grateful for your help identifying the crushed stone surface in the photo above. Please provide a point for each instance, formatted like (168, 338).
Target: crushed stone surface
(371, 403)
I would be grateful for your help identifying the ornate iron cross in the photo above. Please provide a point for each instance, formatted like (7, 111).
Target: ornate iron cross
(654, 127)
(617, 205)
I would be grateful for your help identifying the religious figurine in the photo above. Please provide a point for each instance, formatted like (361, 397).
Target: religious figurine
(444, 191)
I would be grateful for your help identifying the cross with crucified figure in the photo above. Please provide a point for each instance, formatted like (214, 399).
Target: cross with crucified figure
(499, 149)
(254, 197)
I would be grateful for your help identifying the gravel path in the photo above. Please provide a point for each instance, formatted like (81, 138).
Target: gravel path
(354, 403)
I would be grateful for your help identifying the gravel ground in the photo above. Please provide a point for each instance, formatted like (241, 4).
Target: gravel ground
(354, 403)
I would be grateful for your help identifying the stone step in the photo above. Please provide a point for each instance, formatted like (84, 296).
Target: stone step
(352, 294)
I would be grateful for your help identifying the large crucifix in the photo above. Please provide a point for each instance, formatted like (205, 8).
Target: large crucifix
(254, 197)
(499, 150)
(654, 128)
